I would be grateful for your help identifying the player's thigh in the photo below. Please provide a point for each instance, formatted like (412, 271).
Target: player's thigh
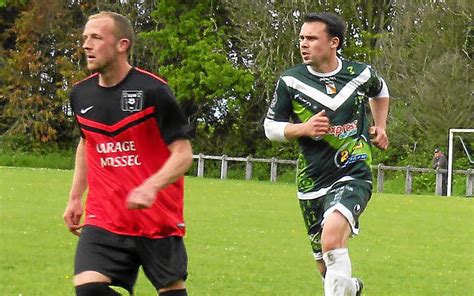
(336, 232)
(164, 260)
(350, 200)
(102, 256)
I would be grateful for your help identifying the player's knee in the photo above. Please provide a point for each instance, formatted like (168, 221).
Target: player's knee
(331, 243)
(331, 240)
(336, 232)
(93, 289)
(334, 240)
(90, 276)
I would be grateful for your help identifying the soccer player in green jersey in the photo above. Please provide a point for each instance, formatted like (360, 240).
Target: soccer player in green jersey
(322, 104)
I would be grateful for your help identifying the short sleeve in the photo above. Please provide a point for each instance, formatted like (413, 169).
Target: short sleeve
(171, 119)
(72, 106)
(375, 84)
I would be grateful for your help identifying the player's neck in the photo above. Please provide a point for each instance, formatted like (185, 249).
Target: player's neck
(326, 66)
(114, 74)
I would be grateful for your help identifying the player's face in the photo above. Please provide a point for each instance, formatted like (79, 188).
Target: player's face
(316, 46)
(100, 44)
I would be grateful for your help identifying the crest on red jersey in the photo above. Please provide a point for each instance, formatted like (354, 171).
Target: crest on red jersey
(132, 100)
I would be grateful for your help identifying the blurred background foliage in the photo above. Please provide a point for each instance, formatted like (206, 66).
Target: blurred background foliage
(222, 59)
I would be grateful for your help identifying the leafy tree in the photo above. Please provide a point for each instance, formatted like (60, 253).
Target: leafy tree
(8, 15)
(429, 72)
(188, 47)
(42, 58)
(222, 59)
(37, 67)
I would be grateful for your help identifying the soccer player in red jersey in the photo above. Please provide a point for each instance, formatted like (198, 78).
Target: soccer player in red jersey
(131, 158)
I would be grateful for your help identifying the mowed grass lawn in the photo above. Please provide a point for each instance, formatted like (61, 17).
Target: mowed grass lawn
(247, 238)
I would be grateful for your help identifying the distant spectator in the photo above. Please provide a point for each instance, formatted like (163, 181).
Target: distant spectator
(440, 162)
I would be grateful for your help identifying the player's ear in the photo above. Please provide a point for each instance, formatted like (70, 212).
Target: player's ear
(123, 45)
(335, 42)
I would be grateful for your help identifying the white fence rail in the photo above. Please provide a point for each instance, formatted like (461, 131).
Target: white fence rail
(248, 164)
(274, 162)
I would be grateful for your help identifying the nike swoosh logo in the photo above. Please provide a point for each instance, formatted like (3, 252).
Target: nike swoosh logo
(85, 110)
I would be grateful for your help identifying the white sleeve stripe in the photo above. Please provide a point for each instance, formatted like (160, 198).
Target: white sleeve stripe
(383, 92)
(275, 130)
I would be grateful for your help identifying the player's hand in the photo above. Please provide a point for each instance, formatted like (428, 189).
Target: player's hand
(317, 125)
(379, 137)
(141, 197)
(72, 216)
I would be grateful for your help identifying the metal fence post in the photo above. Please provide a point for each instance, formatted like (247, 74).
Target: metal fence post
(273, 170)
(248, 168)
(200, 169)
(408, 180)
(380, 178)
(224, 167)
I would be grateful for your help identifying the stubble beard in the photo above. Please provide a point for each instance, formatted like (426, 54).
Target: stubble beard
(310, 62)
(97, 67)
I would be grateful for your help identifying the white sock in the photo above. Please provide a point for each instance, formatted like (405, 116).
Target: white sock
(338, 281)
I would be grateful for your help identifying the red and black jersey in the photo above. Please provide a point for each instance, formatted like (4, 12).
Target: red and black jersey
(127, 129)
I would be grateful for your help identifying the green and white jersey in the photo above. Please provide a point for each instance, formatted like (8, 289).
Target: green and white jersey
(344, 153)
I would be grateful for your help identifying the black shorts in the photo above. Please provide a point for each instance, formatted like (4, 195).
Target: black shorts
(164, 260)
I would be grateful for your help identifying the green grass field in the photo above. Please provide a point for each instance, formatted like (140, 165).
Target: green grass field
(247, 238)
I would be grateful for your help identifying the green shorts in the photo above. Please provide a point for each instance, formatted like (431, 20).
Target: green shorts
(349, 198)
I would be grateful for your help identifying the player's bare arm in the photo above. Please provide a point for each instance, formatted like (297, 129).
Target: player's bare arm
(74, 209)
(379, 108)
(316, 126)
(177, 164)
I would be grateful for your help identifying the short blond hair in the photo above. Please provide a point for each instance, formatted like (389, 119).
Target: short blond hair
(123, 28)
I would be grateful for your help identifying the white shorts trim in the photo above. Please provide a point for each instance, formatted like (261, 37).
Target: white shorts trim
(345, 212)
(324, 191)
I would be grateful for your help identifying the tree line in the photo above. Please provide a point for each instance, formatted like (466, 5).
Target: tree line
(222, 59)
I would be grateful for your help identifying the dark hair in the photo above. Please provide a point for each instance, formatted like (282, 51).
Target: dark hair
(335, 25)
